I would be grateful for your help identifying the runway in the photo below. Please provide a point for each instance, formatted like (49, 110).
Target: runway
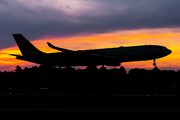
(120, 105)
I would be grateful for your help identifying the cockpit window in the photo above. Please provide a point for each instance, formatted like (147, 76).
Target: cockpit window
(162, 48)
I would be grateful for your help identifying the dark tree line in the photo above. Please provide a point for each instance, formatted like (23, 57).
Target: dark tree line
(92, 80)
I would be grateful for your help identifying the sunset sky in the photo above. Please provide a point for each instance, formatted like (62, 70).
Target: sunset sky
(91, 24)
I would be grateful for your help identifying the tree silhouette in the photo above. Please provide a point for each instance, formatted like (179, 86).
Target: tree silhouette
(102, 81)
(18, 68)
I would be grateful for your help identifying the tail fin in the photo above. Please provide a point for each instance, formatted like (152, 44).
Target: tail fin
(26, 48)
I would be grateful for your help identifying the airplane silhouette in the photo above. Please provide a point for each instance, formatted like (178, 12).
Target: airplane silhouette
(94, 57)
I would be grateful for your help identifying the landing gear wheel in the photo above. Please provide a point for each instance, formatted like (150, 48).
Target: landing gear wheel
(154, 64)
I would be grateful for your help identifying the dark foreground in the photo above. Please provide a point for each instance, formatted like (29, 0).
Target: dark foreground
(47, 92)
(103, 105)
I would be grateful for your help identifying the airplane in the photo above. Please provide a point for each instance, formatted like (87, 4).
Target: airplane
(92, 57)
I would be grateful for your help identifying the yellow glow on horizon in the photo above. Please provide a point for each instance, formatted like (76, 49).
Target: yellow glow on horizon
(164, 37)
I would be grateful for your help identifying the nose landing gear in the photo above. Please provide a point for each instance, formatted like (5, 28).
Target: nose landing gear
(154, 64)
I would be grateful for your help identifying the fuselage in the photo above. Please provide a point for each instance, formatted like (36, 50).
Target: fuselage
(108, 56)
(134, 53)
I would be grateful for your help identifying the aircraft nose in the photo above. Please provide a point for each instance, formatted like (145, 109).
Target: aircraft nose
(169, 51)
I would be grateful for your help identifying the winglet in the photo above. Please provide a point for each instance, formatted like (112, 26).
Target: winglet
(50, 45)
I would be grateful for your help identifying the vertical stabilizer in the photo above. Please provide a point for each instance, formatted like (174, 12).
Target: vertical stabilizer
(26, 48)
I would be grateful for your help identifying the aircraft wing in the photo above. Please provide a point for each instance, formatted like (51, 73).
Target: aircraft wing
(104, 56)
(71, 52)
(60, 49)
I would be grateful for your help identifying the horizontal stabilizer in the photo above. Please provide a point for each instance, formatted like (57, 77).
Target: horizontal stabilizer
(15, 55)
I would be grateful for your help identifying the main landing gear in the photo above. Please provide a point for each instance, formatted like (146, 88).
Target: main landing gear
(154, 64)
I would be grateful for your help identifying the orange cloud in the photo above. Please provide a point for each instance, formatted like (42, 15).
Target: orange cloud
(165, 37)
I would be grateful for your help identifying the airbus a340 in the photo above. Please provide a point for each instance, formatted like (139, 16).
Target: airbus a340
(107, 56)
